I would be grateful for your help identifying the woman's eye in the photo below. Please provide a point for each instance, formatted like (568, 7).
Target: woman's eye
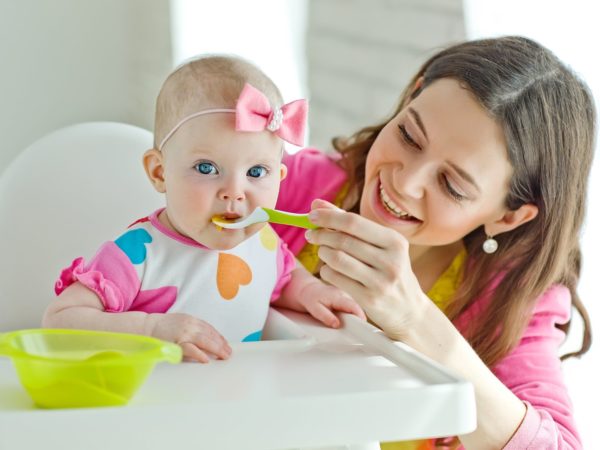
(206, 168)
(451, 191)
(257, 172)
(407, 137)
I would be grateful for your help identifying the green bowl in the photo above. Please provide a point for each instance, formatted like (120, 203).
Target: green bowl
(83, 368)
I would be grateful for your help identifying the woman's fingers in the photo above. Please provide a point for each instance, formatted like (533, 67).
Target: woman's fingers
(365, 252)
(350, 286)
(352, 237)
(350, 266)
(319, 203)
(330, 216)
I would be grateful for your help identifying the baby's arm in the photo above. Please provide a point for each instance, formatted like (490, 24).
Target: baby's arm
(306, 293)
(79, 307)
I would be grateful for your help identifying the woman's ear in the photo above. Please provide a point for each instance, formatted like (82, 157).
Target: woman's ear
(416, 90)
(512, 219)
(418, 84)
(282, 172)
(155, 169)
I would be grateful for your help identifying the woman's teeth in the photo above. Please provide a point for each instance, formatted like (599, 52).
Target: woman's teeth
(391, 206)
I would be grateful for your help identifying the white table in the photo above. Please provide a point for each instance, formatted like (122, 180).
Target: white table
(311, 387)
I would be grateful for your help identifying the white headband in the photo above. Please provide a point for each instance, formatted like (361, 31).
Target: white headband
(191, 116)
(254, 113)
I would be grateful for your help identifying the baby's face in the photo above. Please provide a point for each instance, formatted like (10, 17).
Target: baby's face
(211, 169)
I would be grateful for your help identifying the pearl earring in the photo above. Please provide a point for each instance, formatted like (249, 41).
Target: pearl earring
(490, 245)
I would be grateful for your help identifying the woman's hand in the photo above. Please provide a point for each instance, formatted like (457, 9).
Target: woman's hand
(197, 338)
(371, 263)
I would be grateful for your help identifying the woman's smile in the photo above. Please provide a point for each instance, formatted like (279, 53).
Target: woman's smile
(390, 211)
(392, 207)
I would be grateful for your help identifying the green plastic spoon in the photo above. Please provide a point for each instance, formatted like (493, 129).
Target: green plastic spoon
(266, 215)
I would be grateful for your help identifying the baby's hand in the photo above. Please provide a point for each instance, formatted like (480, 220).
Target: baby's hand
(320, 300)
(197, 338)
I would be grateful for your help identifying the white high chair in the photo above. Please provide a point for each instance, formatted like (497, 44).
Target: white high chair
(59, 199)
(306, 386)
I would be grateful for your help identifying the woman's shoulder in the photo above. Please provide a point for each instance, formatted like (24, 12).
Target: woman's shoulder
(557, 298)
(552, 308)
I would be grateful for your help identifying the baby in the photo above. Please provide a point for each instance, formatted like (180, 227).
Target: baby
(174, 274)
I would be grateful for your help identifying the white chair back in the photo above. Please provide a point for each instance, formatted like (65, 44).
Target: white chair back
(61, 198)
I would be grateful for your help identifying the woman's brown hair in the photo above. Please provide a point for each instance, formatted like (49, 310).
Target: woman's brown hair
(548, 119)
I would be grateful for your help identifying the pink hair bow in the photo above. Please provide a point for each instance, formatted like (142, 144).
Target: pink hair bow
(254, 113)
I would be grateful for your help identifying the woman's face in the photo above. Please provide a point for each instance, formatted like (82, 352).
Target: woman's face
(437, 170)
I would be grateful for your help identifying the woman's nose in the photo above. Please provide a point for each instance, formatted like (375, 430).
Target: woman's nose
(409, 180)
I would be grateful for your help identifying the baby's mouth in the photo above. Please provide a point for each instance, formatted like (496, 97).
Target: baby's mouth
(229, 216)
(224, 217)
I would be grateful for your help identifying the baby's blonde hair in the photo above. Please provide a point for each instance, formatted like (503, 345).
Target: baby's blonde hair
(207, 81)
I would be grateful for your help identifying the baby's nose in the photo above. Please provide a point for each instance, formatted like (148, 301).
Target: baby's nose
(233, 190)
(232, 196)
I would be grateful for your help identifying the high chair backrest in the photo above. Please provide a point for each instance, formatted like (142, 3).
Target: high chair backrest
(61, 198)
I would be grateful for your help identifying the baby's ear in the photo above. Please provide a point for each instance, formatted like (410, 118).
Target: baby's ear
(154, 167)
(282, 172)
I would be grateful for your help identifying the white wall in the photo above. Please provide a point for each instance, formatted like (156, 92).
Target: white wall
(570, 29)
(269, 33)
(362, 53)
(68, 61)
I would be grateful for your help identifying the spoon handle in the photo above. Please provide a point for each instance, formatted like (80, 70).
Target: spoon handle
(287, 218)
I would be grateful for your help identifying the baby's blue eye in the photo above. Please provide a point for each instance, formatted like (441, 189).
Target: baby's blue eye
(257, 172)
(206, 168)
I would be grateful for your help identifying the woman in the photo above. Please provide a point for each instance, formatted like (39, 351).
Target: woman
(462, 236)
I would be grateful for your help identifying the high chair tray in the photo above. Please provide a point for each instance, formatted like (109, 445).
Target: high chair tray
(305, 386)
